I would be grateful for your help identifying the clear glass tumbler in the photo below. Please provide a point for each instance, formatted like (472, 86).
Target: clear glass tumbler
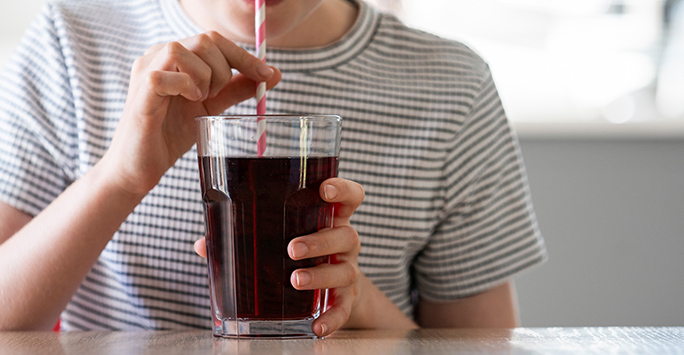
(257, 199)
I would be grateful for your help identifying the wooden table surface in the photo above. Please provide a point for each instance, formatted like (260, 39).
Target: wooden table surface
(604, 340)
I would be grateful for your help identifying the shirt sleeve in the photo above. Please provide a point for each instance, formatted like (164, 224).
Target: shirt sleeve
(37, 120)
(488, 231)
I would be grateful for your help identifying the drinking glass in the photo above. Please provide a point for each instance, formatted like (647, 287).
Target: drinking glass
(257, 199)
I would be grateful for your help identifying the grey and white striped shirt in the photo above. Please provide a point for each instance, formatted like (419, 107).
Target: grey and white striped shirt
(447, 210)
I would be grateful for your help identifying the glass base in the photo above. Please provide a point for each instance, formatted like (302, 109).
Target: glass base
(279, 329)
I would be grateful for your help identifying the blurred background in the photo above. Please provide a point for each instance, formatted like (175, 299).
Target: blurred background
(595, 91)
(598, 61)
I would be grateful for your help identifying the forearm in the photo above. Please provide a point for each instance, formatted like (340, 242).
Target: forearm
(44, 263)
(374, 310)
(494, 308)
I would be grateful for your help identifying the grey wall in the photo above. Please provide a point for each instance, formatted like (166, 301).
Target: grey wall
(612, 214)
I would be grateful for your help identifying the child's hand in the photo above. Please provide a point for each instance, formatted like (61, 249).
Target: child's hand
(170, 85)
(341, 243)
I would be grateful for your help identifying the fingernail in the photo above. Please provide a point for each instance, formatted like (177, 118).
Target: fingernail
(303, 278)
(199, 94)
(330, 192)
(299, 250)
(323, 329)
(265, 71)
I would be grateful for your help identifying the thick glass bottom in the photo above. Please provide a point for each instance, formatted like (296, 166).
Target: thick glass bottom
(279, 329)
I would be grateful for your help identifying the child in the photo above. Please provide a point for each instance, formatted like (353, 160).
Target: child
(100, 192)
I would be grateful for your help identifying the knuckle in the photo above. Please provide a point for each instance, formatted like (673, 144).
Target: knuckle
(189, 82)
(353, 238)
(356, 189)
(153, 49)
(204, 74)
(353, 273)
(213, 35)
(243, 56)
(319, 244)
(361, 190)
(202, 44)
(350, 232)
(155, 78)
(139, 66)
(350, 188)
(174, 49)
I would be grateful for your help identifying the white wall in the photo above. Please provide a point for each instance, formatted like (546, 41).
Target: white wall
(15, 16)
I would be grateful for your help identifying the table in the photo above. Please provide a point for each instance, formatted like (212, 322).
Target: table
(590, 340)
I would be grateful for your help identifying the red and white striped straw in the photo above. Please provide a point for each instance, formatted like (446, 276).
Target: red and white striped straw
(260, 35)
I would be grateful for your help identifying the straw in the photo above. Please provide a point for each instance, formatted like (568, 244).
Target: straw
(260, 35)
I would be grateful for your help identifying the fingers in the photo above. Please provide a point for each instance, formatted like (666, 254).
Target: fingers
(201, 247)
(163, 83)
(240, 59)
(329, 241)
(207, 60)
(174, 58)
(347, 196)
(341, 280)
(220, 71)
(239, 89)
(325, 276)
(336, 316)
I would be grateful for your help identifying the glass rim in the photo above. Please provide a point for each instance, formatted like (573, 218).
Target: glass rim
(285, 117)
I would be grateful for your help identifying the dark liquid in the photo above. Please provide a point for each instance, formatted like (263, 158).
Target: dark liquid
(267, 202)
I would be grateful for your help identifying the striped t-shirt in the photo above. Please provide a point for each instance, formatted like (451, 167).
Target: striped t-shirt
(447, 212)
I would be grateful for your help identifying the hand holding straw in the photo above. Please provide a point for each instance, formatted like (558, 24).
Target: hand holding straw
(260, 35)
